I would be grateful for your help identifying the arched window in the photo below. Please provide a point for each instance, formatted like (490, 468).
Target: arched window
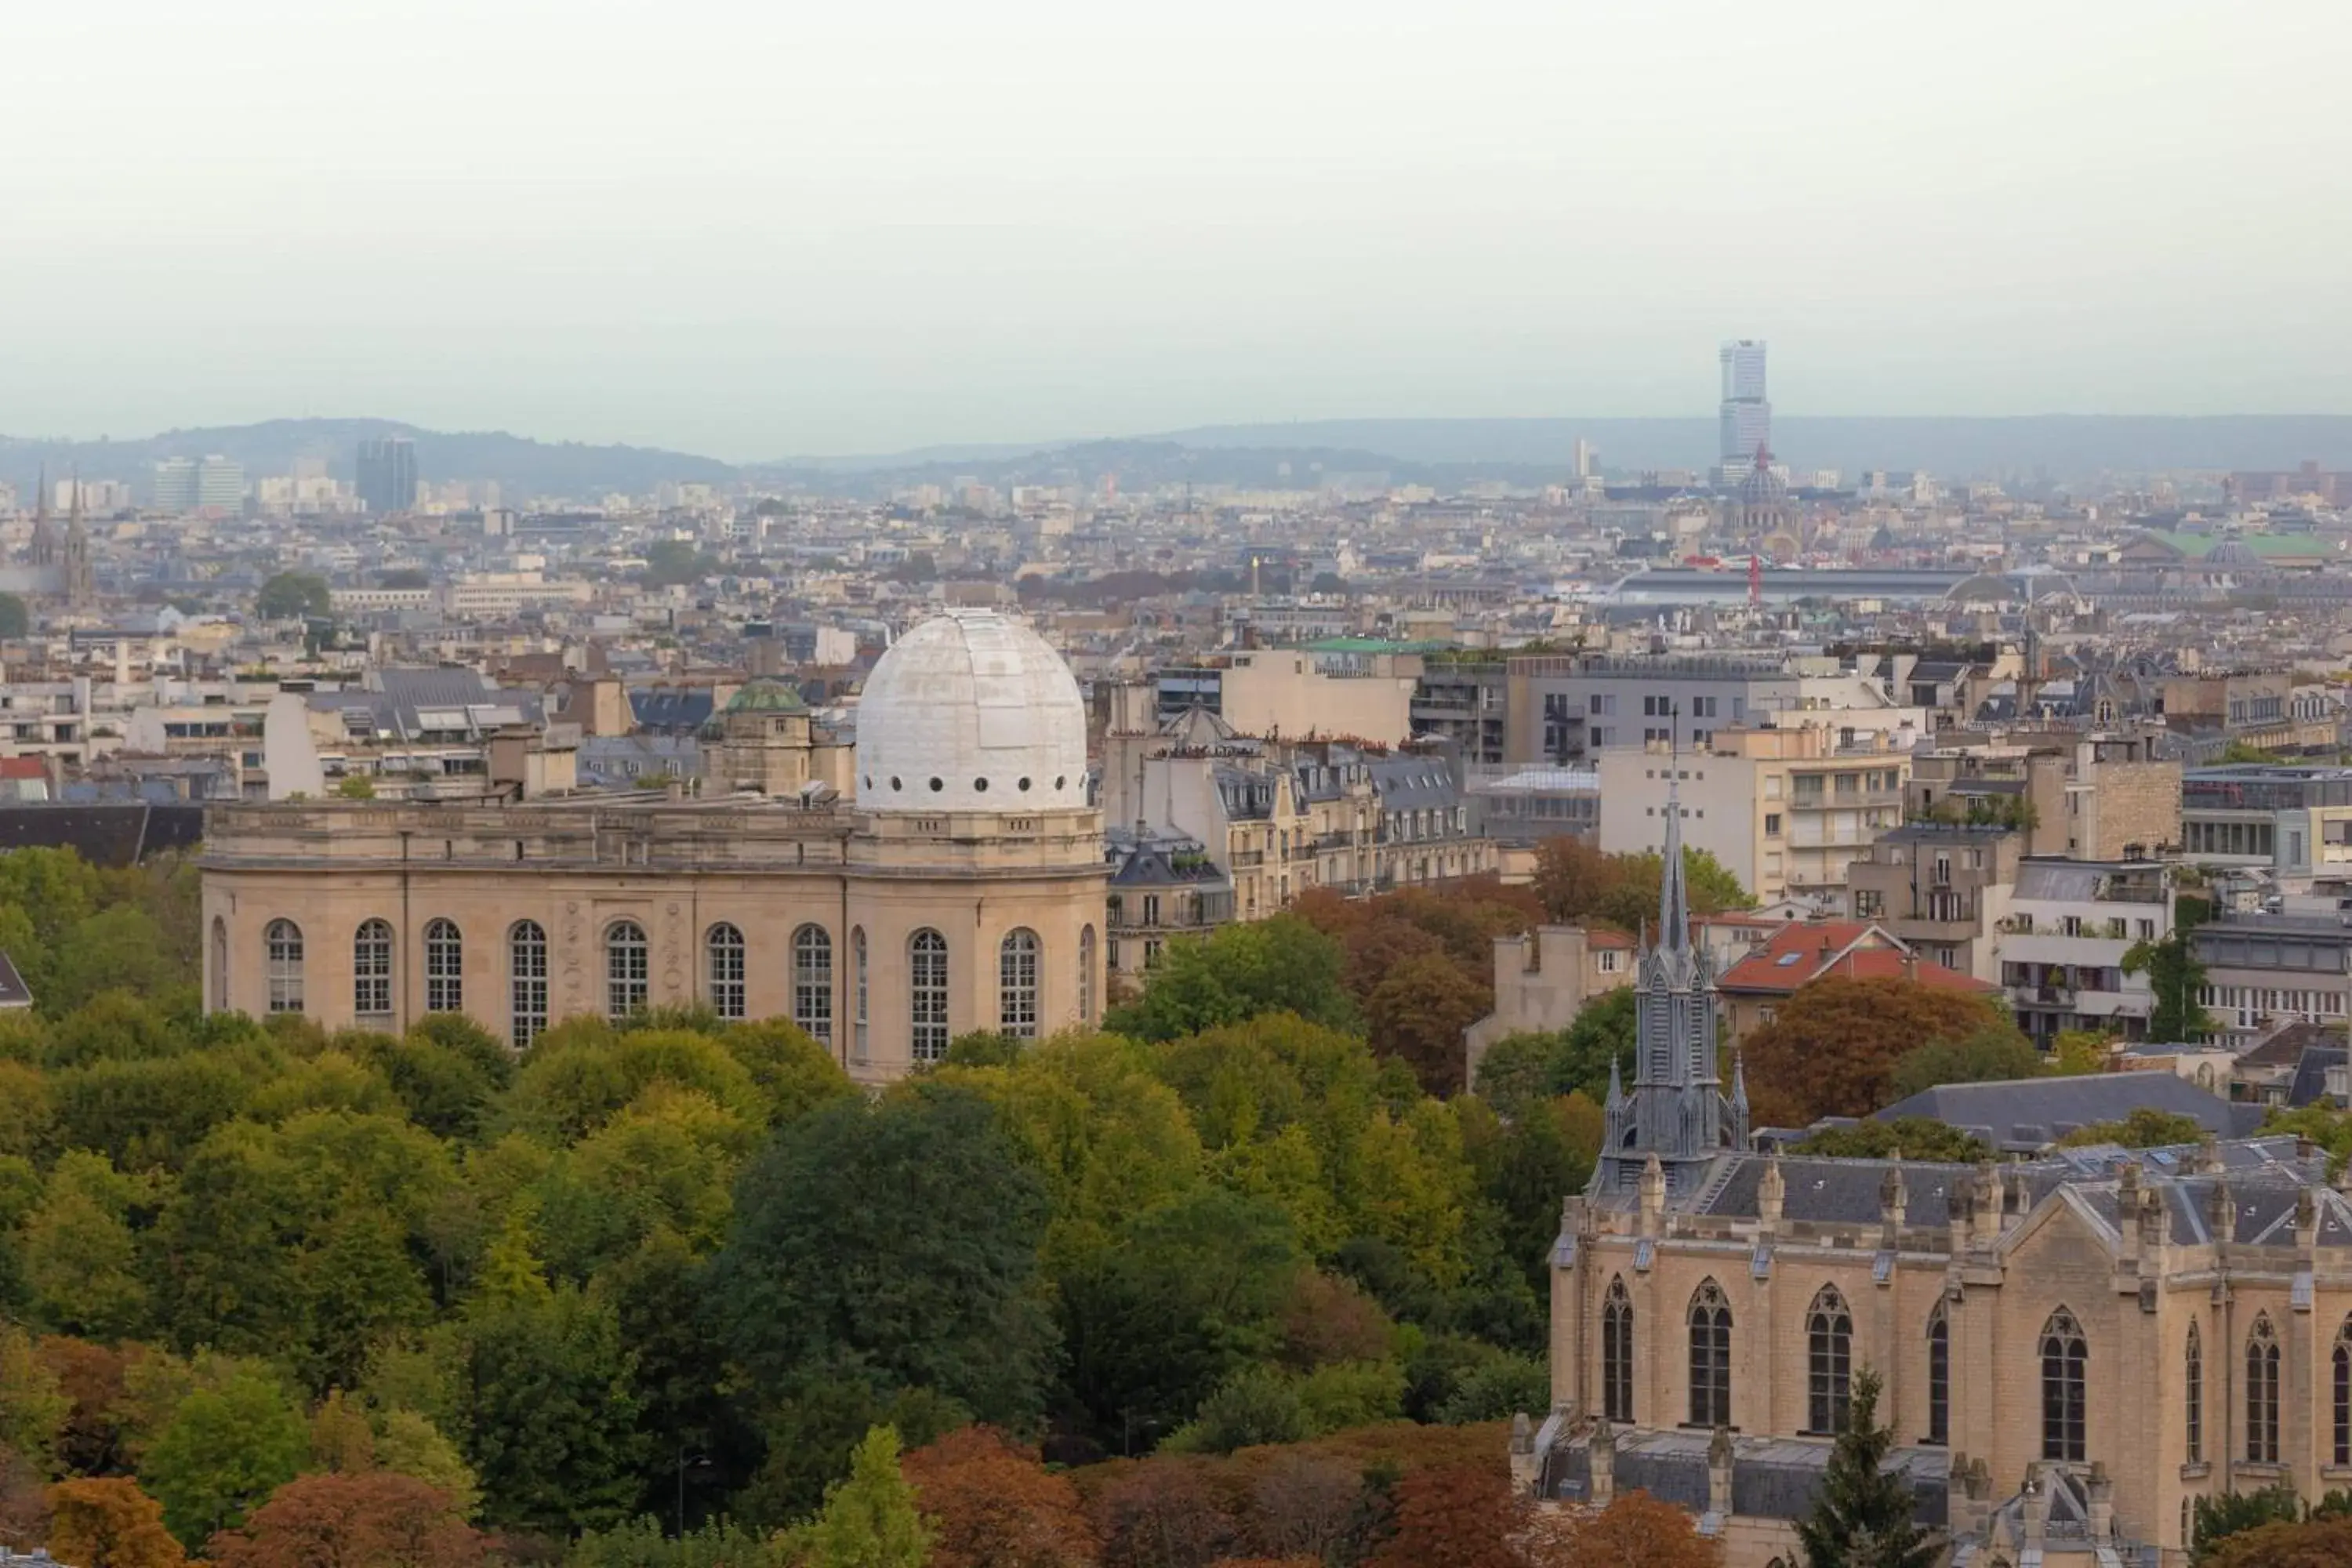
(813, 982)
(722, 951)
(629, 969)
(1617, 1353)
(1016, 985)
(857, 984)
(371, 971)
(526, 984)
(220, 964)
(927, 995)
(1710, 1357)
(2262, 1393)
(284, 941)
(1939, 1377)
(1087, 975)
(2193, 1391)
(445, 967)
(2341, 1402)
(2064, 1352)
(1829, 1362)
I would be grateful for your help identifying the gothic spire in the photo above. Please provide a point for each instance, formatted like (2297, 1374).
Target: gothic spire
(1674, 896)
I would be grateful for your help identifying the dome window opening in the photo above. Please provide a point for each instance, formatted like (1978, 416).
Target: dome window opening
(895, 784)
(938, 784)
(1024, 784)
(980, 786)
(1060, 779)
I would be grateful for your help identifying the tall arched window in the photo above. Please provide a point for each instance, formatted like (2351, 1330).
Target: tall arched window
(220, 963)
(1710, 1357)
(1939, 1377)
(2263, 1392)
(2064, 1352)
(371, 971)
(857, 983)
(2341, 1399)
(629, 969)
(722, 951)
(1829, 1362)
(527, 981)
(1016, 985)
(1617, 1353)
(2193, 1390)
(813, 982)
(1087, 975)
(927, 995)
(445, 967)
(284, 940)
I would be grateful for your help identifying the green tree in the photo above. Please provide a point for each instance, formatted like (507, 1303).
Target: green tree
(79, 1255)
(1982, 1056)
(1255, 1405)
(2232, 1513)
(671, 563)
(1862, 1517)
(2074, 1052)
(1916, 1137)
(356, 786)
(933, 1289)
(290, 594)
(1240, 971)
(32, 1403)
(2240, 753)
(2176, 977)
(1529, 1066)
(870, 1519)
(221, 1454)
(16, 620)
(1178, 1299)
(2145, 1128)
(550, 1407)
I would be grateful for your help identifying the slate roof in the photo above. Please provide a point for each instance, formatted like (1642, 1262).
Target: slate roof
(109, 833)
(2023, 1114)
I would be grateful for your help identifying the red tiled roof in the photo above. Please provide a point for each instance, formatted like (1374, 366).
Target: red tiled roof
(1806, 950)
(23, 768)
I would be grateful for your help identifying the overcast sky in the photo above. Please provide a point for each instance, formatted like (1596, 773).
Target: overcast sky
(755, 229)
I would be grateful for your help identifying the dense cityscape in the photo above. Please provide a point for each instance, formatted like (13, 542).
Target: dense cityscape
(1686, 1015)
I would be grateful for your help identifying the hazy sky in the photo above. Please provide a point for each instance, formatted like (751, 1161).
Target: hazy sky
(771, 228)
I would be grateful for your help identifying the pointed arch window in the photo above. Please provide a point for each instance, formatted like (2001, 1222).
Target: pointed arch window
(2193, 1394)
(445, 967)
(628, 970)
(2340, 1396)
(1829, 1362)
(723, 968)
(371, 971)
(1939, 1377)
(1617, 1353)
(927, 995)
(527, 981)
(813, 982)
(1016, 985)
(284, 941)
(2262, 1393)
(2064, 1352)
(1710, 1357)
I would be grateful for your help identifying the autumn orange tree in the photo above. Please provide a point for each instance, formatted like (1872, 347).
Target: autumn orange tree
(2318, 1543)
(377, 1520)
(1635, 1531)
(1832, 1049)
(1456, 1516)
(109, 1523)
(992, 1504)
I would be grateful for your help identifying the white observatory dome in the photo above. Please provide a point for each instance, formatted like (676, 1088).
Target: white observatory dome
(970, 711)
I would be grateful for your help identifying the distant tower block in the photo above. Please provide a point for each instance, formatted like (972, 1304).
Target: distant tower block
(1745, 416)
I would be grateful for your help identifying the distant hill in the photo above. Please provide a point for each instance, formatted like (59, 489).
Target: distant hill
(521, 466)
(1447, 454)
(2060, 445)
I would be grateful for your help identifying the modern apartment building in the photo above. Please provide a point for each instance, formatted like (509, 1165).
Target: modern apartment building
(1787, 809)
(2102, 798)
(2291, 820)
(2264, 970)
(2063, 942)
(1942, 889)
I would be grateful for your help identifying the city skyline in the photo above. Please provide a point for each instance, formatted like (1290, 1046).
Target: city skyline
(737, 232)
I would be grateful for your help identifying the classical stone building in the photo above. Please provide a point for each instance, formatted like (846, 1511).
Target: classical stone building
(960, 887)
(2074, 1348)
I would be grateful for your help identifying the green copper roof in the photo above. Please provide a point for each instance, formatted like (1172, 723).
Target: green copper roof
(765, 696)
